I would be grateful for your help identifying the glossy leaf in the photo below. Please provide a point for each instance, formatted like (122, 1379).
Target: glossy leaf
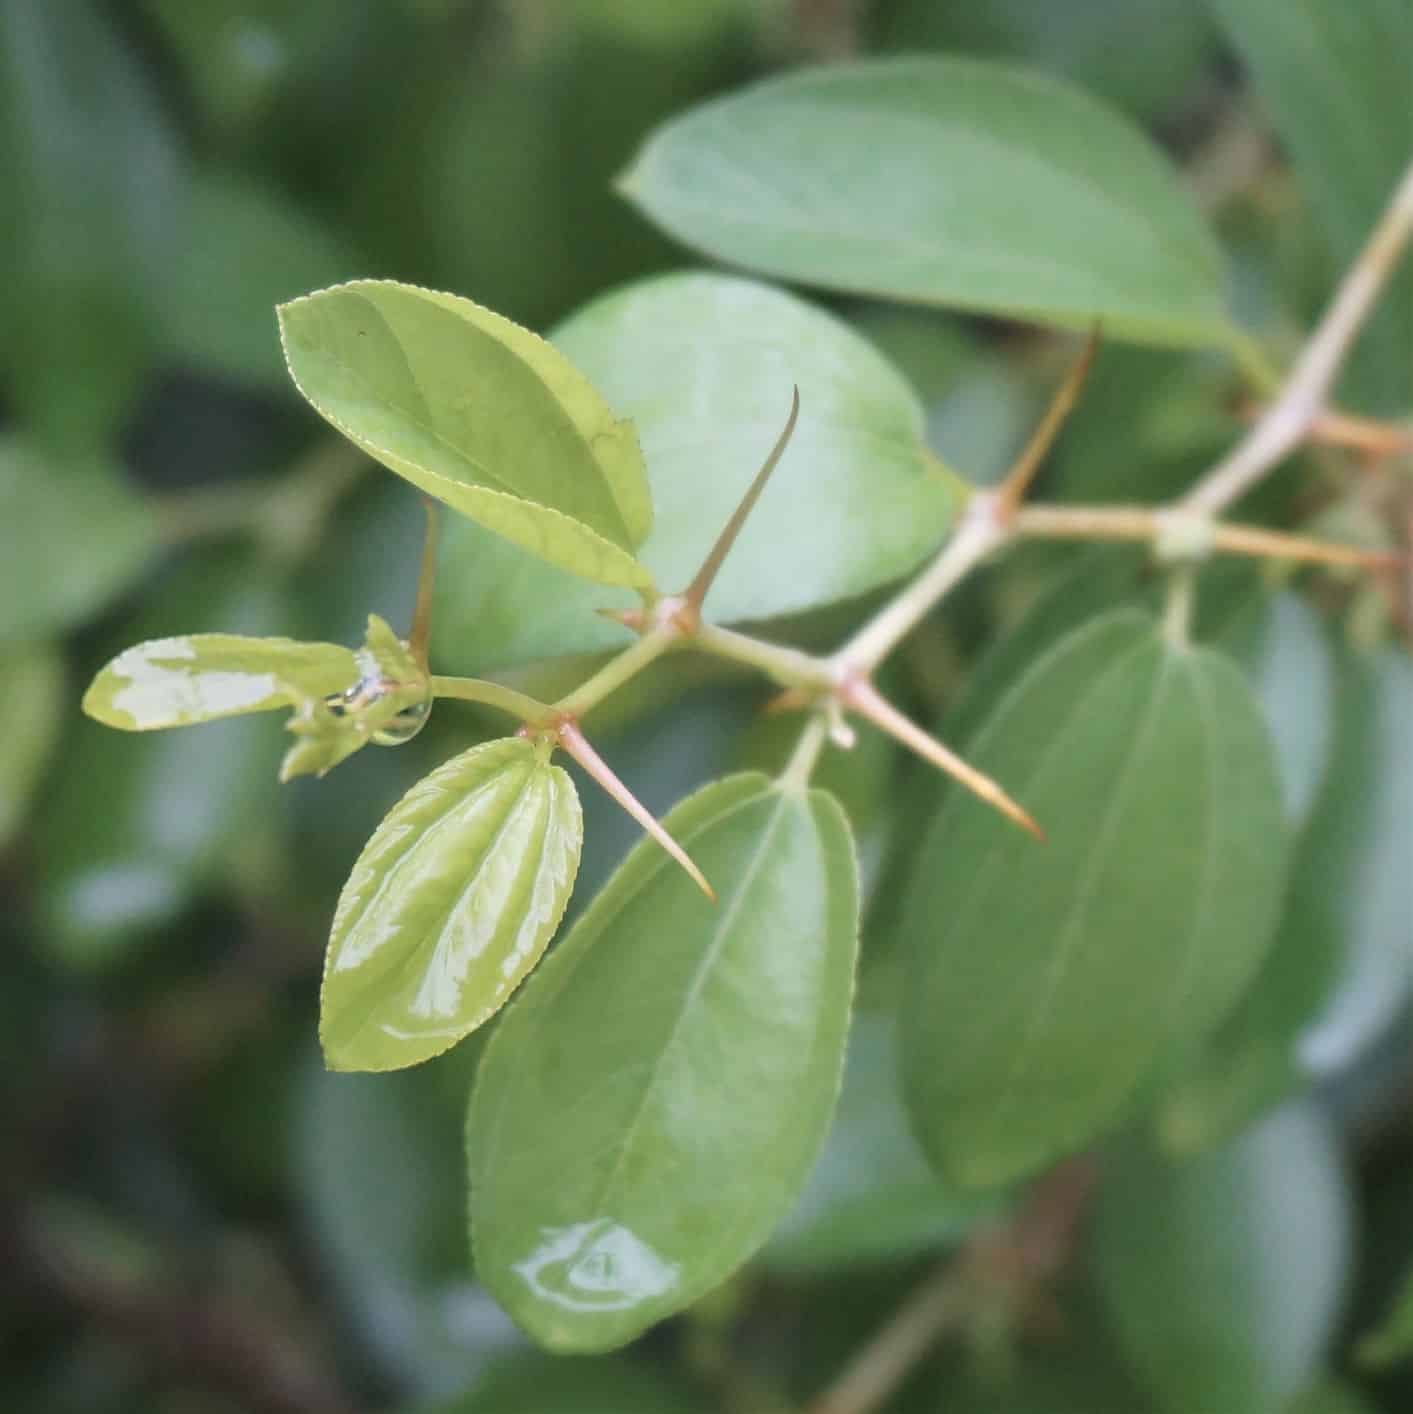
(942, 181)
(704, 365)
(479, 413)
(1333, 75)
(450, 905)
(1047, 981)
(872, 1195)
(200, 677)
(30, 717)
(1222, 1274)
(82, 510)
(1391, 1341)
(649, 1107)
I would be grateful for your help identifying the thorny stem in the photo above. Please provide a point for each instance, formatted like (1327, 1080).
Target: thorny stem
(662, 637)
(1284, 424)
(790, 667)
(979, 532)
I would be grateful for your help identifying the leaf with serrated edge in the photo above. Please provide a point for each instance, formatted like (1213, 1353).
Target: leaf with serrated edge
(451, 903)
(479, 413)
(649, 1106)
(947, 181)
(200, 677)
(1047, 982)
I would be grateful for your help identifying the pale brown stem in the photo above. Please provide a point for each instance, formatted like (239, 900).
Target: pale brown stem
(1286, 422)
(1012, 490)
(577, 745)
(861, 696)
(696, 592)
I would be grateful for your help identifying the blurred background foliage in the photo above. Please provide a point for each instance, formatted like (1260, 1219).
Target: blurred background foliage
(197, 1218)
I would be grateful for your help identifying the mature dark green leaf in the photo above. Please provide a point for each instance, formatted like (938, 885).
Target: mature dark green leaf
(30, 714)
(83, 511)
(1222, 1274)
(381, 1181)
(481, 414)
(538, 1384)
(872, 1194)
(704, 365)
(1334, 74)
(1047, 981)
(942, 181)
(1391, 1341)
(93, 198)
(449, 906)
(247, 249)
(651, 1104)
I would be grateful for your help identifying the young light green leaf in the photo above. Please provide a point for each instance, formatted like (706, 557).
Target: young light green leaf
(704, 365)
(648, 1108)
(82, 509)
(1046, 982)
(1391, 1341)
(479, 413)
(872, 1195)
(943, 181)
(451, 903)
(1334, 75)
(200, 677)
(30, 715)
(1222, 1274)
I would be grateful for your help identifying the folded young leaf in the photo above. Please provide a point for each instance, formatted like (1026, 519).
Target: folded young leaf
(200, 677)
(651, 1104)
(451, 903)
(945, 181)
(1047, 982)
(478, 413)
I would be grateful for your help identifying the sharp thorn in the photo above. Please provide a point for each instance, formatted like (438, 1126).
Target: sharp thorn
(577, 745)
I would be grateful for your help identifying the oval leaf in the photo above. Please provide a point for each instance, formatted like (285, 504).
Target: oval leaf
(479, 413)
(944, 181)
(650, 1106)
(704, 366)
(451, 903)
(1222, 1274)
(1047, 981)
(200, 677)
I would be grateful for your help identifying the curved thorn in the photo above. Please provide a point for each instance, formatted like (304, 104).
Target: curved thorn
(577, 745)
(865, 699)
(1017, 481)
(696, 592)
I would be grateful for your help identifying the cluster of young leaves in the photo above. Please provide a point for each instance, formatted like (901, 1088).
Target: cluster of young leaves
(649, 1108)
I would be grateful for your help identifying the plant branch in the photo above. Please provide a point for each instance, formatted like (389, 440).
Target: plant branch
(420, 635)
(979, 532)
(790, 667)
(1168, 529)
(1302, 400)
(665, 634)
(493, 694)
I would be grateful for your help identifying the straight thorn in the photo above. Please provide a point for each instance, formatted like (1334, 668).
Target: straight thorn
(419, 640)
(864, 698)
(577, 745)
